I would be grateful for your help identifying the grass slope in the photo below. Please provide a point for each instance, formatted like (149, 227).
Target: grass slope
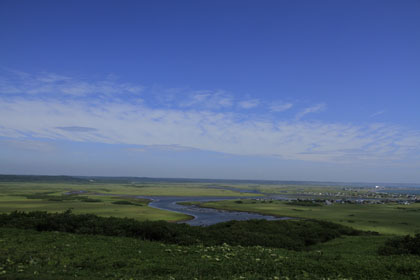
(27, 254)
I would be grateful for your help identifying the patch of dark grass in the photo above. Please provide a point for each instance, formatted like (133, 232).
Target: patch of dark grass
(295, 235)
(125, 202)
(309, 203)
(401, 246)
(87, 199)
(70, 197)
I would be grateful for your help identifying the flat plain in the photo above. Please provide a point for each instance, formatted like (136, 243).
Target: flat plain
(44, 254)
(390, 218)
(101, 198)
(104, 199)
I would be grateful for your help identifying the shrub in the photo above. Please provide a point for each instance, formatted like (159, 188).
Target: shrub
(292, 234)
(401, 246)
(123, 202)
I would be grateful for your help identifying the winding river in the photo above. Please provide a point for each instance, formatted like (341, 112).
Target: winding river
(203, 216)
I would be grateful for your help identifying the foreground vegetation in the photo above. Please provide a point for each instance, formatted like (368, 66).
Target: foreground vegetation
(293, 234)
(160, 250)
(27, 254)
(402, 246)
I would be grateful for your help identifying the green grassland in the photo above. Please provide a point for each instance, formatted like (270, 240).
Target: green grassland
(105, 207)
(22, 196)
(288, 189)
(149, 189)
(27, 254)
(389, 218)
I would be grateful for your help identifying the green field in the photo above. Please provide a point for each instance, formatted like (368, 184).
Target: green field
(45, 254)
(103, 208)
(149, 189)
(389, 218)
(14, 196)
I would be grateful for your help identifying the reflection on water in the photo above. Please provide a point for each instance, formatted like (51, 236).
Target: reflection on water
(203, 216)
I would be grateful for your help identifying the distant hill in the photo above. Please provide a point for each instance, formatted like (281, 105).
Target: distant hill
(42, 179)
(128, 180)
(135, 180)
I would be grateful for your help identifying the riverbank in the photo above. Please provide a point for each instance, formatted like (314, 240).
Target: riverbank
(389, 218)
(204, 216)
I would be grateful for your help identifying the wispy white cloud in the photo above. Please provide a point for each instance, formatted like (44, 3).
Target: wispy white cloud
(76, 128)
(377, 113)
(280, 107)
(208, 99)
(313, 109)
(248, 104)
(170, 148)
(26, 144)
(124, 123)
(58, 85)
(30, 107)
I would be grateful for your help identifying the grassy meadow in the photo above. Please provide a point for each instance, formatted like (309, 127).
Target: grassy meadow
(391, 218)
(32, 196)
(104, 207)
(22, 196)
(147, 189)
(88, 247)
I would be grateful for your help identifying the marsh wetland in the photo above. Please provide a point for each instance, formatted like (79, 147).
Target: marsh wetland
(336, 231)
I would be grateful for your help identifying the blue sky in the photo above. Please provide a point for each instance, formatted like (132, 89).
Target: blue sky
(293, 90)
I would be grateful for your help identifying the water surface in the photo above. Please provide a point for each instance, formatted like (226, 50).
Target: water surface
(203, 216)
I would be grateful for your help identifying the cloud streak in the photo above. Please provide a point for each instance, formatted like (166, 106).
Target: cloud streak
(123, 123)
(377, 113)
(280, 107)
(50, 84)
(25, 144)
(76, 128)
(248, 104)
(207, 99)
(313, 109)
(44, 106)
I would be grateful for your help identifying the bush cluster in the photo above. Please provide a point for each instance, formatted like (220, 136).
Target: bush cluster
(124, 202)
(304, 203)
(46, 196)
(401, 246)
(291, 234)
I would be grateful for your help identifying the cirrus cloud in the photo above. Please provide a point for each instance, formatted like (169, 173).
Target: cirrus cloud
(43, 106)
(123, 123)
(313, 109)
(50, 84)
